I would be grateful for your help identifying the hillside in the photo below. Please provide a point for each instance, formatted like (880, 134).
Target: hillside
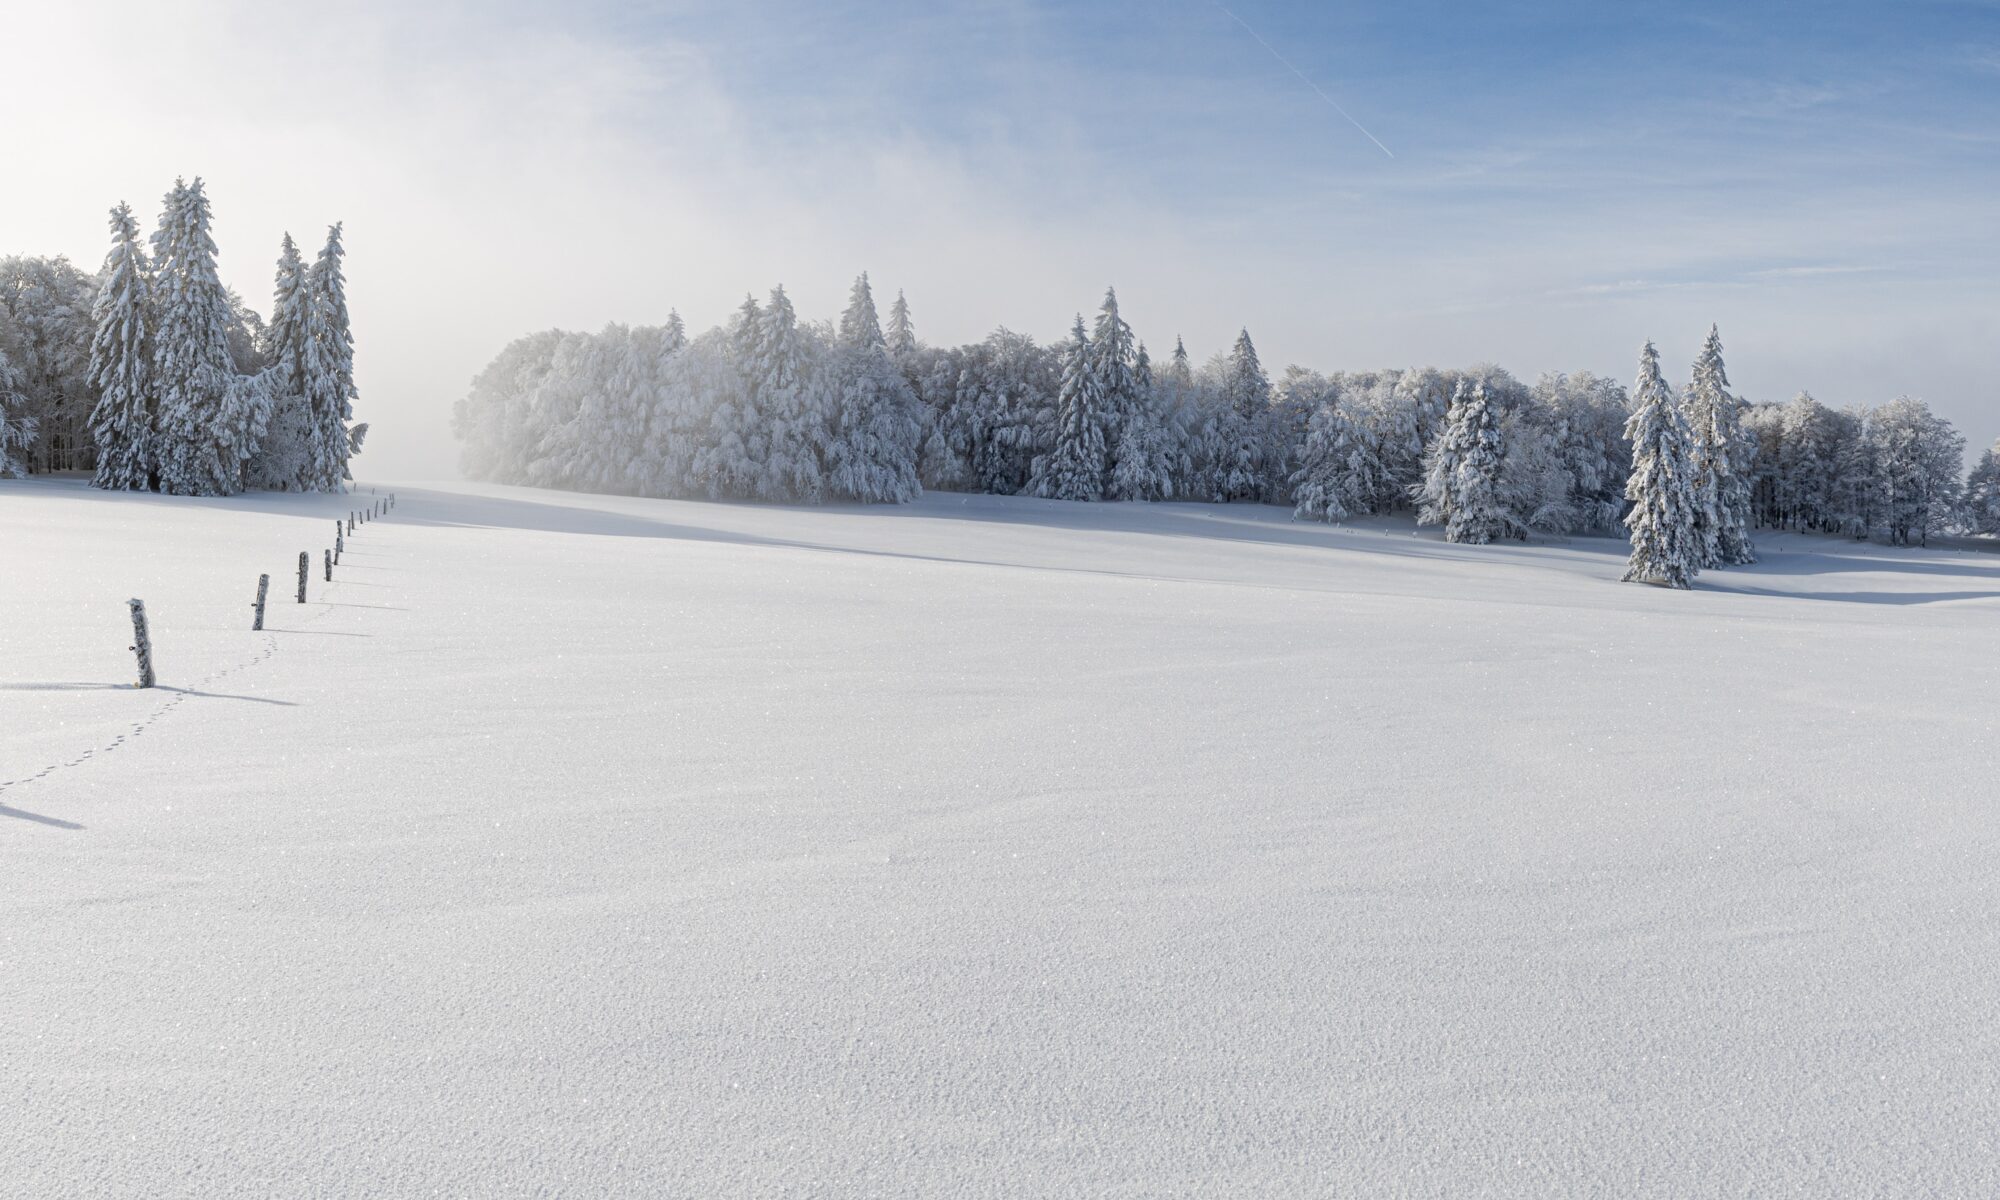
(983, 846)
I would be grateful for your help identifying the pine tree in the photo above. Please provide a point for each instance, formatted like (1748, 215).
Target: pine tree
(1722, 460)
(902, 336)
(1666, 545)
(1074, 468)
(203, 430)
(1461, 488)
(673, 335)
(858, 324)
(330, 390)
(120, 363)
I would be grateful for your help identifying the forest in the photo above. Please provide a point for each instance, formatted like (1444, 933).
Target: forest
(771, 407)
(152, 376)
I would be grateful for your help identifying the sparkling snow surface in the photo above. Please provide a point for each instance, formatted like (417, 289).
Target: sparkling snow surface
(582, 846)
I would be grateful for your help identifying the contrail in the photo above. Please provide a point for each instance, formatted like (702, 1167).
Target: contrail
(1286, 63)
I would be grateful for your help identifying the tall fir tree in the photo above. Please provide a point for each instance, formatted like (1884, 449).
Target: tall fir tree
(1722, 460)
(790, 407)
(902, 335)
(1113, 366)
(204, 434)
(1246, 404)
(329, 392)
(1073, 469)
(121, 349)
(289, 459)
(1666, 539)
(1461, 488)
(873, 432)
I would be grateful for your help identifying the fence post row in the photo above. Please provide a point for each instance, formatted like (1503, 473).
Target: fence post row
(142, 644)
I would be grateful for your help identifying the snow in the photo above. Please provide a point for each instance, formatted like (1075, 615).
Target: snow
(983, 846)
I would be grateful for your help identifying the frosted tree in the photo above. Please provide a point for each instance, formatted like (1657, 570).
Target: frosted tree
(17, 428)
(1982, 493)
(789, 401)
(289, 457)
(1112, 361)
(1327, 485)
(1461, 485)
(1666, 543)
(1147, 459)
(873, 429)
(1919, 456)
(329, 389)
(203, 434)
(46, 327)
(121, 363)
(1073, 469)
(1722, 457)
(1239, 433)
(902, 336)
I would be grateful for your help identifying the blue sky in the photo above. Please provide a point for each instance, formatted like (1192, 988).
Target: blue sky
(1567, 179)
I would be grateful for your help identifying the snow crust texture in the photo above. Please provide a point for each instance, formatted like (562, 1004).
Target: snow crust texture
(983, 846)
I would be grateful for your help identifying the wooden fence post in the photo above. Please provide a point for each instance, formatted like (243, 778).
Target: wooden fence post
(142, 645)
(329, 564)
(303, 560)
(263, 585)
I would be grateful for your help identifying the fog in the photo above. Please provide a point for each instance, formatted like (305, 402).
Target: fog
(502, 169)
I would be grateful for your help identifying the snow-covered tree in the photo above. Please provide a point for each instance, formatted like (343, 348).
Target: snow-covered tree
(1073, 469)
(1335, 476)
(1982, 493)
(289, 457)
(17, 428)
(205, 420)
(329, 389)
(1919, 456)
(1663, 486)
(1462, 472)
(873, 432)
(1238, 432)
(45, 329)
(121, 362)
(1147, 460)
(902, 335)
(1722, 458)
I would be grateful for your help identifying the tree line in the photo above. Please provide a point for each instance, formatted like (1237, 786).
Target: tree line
(774, 408)
(153, 376)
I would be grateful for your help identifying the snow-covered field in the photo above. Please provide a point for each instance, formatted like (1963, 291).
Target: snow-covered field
(582, 846)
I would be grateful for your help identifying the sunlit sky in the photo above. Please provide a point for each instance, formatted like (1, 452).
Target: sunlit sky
(1560, 181)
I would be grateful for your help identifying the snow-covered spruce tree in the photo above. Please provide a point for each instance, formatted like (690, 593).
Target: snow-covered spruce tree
(492, 419)
(1238, 439)
(1982, 493)
(1666, 545)
(330, 390)
(1111, 360)
(727, 464)
(873, 431)
(1147, 459)
(1461, 485)
(1722, 457)
(790, 406)
(202, 433)
(901, 337)
(1073, 469)
(121, 362)
(288, 459)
